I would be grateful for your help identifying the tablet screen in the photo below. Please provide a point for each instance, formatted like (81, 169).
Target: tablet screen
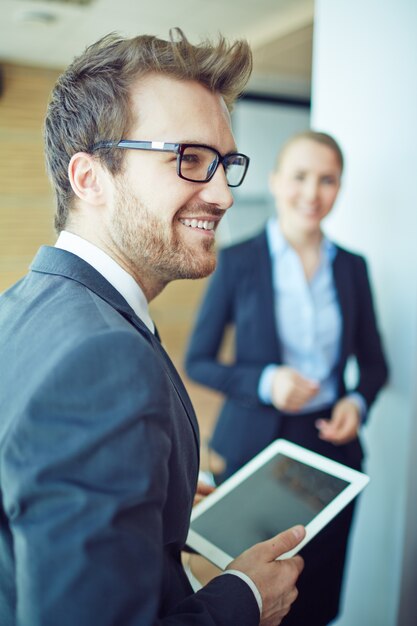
(279, 494)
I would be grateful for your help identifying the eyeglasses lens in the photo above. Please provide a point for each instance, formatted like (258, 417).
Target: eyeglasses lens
(235, 167)
(198, 164)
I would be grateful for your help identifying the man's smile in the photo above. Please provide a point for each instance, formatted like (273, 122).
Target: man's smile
(200, 224)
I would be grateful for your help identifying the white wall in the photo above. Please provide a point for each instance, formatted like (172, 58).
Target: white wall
(365, 93)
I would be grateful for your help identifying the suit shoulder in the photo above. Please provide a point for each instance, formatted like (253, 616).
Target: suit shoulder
(349, 258)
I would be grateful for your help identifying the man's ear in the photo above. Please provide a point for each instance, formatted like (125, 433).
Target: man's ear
(86, 177)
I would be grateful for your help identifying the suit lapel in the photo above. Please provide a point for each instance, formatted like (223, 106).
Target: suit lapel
(262, 268)
(59, 262)
(343, 290)
(50, 260)
(171, 371)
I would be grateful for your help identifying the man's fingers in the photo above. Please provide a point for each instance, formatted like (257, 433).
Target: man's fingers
(284, 542)
(299, 563)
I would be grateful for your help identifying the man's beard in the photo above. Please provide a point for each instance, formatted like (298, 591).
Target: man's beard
(154, 246)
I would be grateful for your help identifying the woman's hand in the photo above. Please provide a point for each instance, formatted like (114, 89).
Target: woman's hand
(203, 490)
(290, 391)
(343, 426)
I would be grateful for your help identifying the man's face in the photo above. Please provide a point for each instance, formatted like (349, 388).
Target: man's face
(161, 226)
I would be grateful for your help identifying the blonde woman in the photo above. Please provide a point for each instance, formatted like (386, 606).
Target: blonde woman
(301, 306)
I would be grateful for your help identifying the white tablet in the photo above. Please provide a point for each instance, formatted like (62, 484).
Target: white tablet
(282, 486)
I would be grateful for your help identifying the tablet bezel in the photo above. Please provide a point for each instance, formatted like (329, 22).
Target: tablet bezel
(357, 481)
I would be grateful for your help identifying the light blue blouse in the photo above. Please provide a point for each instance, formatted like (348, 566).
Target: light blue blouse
(308, 316)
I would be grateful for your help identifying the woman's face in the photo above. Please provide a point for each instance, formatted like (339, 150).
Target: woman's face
(305, 185)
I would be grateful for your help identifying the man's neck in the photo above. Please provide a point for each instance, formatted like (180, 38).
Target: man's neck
(150, 285)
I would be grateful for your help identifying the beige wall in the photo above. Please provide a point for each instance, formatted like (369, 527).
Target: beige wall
(26, 215)
(25, 198)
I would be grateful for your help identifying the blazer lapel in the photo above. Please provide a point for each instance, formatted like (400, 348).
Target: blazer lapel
(50, 260)
(170, 370)
(262, 269)
(343, 290)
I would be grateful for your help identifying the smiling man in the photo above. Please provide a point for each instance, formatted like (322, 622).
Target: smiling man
(158, 226)
(99, 449)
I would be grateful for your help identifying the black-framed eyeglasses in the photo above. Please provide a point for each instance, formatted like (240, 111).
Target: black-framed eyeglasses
(195, 162)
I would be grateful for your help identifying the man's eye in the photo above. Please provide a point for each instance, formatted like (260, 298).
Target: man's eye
(191, 158)
(191, 161)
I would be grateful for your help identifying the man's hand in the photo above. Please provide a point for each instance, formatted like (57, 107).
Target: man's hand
(274, 579)
(203, 490)
(290, 391)
(343, 425)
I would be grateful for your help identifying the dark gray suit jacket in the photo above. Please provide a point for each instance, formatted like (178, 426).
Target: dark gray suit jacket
(241, 293)
(99, 459)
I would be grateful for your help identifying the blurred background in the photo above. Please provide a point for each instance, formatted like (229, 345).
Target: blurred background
(342, 66)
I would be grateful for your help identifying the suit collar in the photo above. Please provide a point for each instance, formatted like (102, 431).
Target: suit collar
(114, 273)
(50, 260)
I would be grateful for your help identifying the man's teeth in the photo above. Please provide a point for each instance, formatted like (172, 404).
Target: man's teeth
(206, 225)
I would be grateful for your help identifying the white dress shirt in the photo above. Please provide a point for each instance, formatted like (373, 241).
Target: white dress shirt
(121, 280)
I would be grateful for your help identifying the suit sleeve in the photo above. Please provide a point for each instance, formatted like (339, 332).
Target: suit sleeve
(218, 309)
(88, 475)
(220, 603)
(372, 365)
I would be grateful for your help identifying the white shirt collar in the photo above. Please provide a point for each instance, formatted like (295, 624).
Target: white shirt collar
(276, 240)
(278, 244)
(112, 272)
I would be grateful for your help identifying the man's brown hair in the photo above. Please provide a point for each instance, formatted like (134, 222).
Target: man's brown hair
(91, 100)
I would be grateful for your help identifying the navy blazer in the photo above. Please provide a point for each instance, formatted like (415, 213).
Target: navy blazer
(241, 293)
(98, 463)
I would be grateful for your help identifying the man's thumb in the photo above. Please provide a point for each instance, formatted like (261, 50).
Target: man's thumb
(285, 541)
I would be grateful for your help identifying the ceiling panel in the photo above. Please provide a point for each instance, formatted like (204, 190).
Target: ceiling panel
(50, 33)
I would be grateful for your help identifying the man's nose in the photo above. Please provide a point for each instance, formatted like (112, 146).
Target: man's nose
(216, 191)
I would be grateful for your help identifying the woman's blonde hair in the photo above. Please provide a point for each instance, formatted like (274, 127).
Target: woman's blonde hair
(322, 138)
